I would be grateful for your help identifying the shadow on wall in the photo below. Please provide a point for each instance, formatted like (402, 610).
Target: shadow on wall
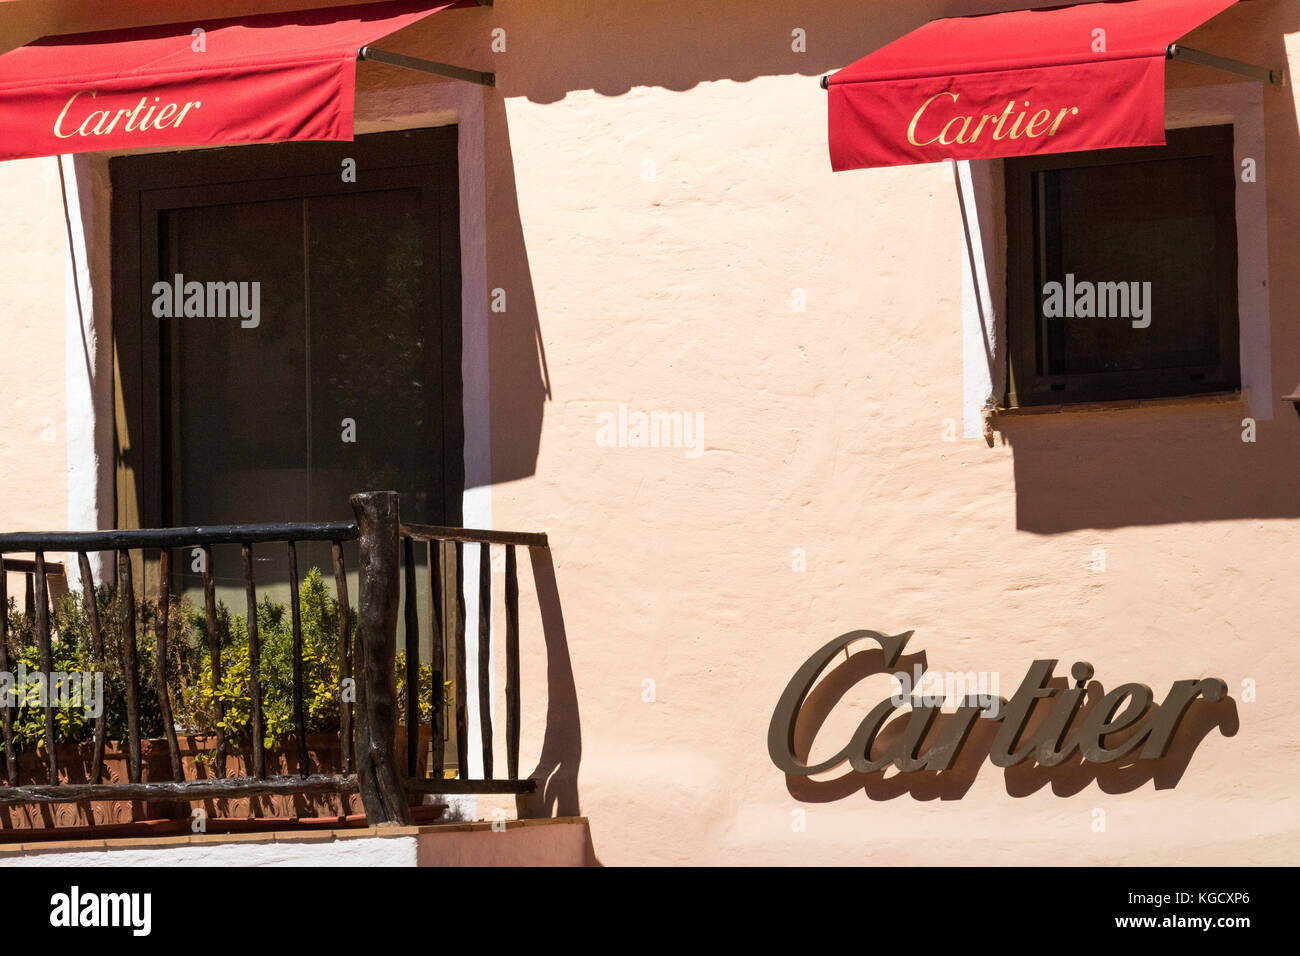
(520, 379)
(556, 772)
(611, 49)
(1152, 466)
(557, 766)
(1066, 779)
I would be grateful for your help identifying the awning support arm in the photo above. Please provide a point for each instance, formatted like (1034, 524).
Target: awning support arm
(427, 66)
(1260, 73)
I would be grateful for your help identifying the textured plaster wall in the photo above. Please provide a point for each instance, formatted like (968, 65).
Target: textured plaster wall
(824, 432)
(558, 843)
(657, 189)
(33, 283)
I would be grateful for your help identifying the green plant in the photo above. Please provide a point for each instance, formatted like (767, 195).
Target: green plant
(424, 690)
(29, 718)
(319, 619)
(71, 645)
(188, 669)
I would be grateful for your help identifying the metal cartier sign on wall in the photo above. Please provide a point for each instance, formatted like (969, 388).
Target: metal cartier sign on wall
(1051, 742)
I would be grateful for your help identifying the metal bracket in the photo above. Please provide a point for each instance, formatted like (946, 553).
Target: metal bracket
(1200, 58)
(427, 66)
(1260, 73)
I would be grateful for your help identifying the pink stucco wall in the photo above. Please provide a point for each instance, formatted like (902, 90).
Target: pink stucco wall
(33, 449)
(655, 190)
(824, 433)
(530, 843)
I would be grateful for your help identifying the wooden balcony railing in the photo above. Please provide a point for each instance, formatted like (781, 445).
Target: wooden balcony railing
(28, 570)
(387, 781)
(446, 545)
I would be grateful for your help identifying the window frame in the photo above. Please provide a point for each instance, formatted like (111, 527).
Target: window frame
(145, 185)
(1025, 386)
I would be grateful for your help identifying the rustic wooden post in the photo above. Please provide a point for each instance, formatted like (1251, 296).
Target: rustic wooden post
(6, 713)
(299, 696)
(485, 654)
(378, 776)
(214, 656)
(461, 680)
(345, 658)
(160, 661)
(47, 661)
(435, 552)
(412, 661)
(126, 605)
(512, 664)
(254, 666)
(97, 646)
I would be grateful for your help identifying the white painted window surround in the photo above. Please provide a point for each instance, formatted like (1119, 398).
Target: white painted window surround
(983, 238)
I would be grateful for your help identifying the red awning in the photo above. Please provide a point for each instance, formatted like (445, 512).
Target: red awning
(275, 77)
(1057, 80)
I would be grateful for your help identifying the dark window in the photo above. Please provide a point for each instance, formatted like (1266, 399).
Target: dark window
(348, 379)
(1122, 272)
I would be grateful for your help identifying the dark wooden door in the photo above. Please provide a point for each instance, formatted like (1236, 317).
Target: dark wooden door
(346, 378)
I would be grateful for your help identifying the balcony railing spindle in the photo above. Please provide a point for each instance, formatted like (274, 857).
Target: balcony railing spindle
(434, 549)
(462, 725)
(299, 711)
(47, 662)
(485, 654)
(6, 711)
(412, 620)
(214, 656)
(254, 665)
(160, 661)
(97, 649)
(345, 657)
(512, 664)
(130, 671)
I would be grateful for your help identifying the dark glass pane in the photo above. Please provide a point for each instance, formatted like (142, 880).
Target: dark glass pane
(239, 405)
(1125, 223)
(238, 445)
(257, 414)
(374, 354)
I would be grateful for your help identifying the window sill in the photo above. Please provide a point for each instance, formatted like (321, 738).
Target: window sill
(1180, 401)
